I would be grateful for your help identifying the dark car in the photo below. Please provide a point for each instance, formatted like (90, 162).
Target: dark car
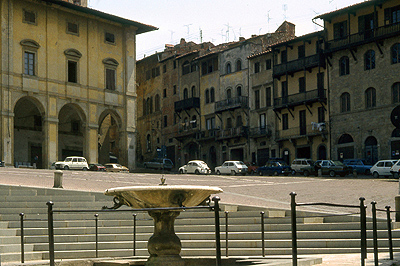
(97, 167)
(159, 163)
(333, 168)
(359, 165)
(274, 167)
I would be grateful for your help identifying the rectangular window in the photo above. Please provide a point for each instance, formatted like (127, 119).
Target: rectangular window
(262, 121)
(321, 114)
(174, 64)
(109, 37)
(29, 17)
(165, 121)
(257, 99)
(165, 93)
(301, 52)
(256, 67)
(340, 30)
(174, 89)
(148, 74)
(392, 15)
(110, 79)
(268, 99)
(164, 68)
(302, 85)
(321, 81)
(268, 64)
(29, 63)
(72, 28)
(72, 71)
(285, 121)
(283, 56)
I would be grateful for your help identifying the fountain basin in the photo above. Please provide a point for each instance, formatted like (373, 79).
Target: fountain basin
(162, 196)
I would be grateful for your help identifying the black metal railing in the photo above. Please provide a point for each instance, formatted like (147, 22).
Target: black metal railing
(299, 64)
(235, 132)
(300, 98)
(362, 37)
(187, 104)
(313, 129)
(232, 103)
(257, 132)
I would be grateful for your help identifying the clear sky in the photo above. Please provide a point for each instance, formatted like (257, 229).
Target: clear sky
(216, 21)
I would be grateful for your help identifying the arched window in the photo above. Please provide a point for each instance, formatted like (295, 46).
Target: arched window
(185, 94)
(148, 142)
(345, 138)
(228, 93)
(207, 96)
(144, 107)
(239, 91)
(185, 68)
(148, 106)
(212, 95)
(193, 91)
(228, 68)
(395, 50)
(238, 65)
(369, 60)
(345, 102)
(157, 103)
(396, 92)
(344, 66)
(370, 98)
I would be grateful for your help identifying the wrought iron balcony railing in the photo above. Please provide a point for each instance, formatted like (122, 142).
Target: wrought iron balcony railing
(312, 129)
(187, 104)
(232, 103)
(299, 64)
(258, 132)
(236, 132)
(299, 99)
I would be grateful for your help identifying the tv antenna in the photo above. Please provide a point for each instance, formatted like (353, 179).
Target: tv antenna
(285, 8)
(188, 25)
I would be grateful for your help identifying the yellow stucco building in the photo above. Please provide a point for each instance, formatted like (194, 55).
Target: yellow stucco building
(65, 70)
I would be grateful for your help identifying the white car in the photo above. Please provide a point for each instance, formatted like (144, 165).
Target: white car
(382, 168)
(195, 167)
(395, 169)
(115, 167)
(73, 162)
(232, 168)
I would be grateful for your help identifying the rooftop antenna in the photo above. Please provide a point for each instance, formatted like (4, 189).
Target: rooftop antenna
(188, 25)
(222, 35)
(201, 35)
(268, 18)
(285, 8)
(227, 32)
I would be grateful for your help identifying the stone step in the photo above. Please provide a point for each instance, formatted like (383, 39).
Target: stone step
(16, 257)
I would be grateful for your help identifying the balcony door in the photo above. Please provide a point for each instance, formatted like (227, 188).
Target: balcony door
(366, 25)
(303, 126)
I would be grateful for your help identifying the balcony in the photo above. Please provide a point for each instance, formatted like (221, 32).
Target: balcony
(364, 37)
(187, 130)
(314, 129)
(206, 135)
(293, 100)
(259, 132)
(236, 132)
(187, 104)
(231, 104)
(299, 64)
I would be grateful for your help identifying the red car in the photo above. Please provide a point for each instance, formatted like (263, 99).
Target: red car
(97, 167)
(251, 168)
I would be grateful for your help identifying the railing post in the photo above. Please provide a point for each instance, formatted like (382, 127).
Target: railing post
(226, 233)
(389, 228)
(363, 221)
(50, 231)
(294, 229)
(216, 200)
(96, 219)
(375, 233)
(22, 237)
(134, 234)
(262, 234)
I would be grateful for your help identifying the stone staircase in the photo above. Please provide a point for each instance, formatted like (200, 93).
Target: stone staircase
(75, 232)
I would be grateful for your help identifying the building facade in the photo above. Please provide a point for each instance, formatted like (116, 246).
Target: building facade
(68, 83)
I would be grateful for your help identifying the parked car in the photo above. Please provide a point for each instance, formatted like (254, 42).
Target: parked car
(333, 168)
(159, 163)
(382, 168)
(97, 167)
(115, 167)
(251, 168)
(394, 170)
(73, 162)
(359, 165)
(195, 167)
(276, 167)
(299, 165)
(231, 167)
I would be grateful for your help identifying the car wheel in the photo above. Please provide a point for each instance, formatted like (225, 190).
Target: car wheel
(293, 172)
(306, 173)
(218, 172)
(396, 175)
(66, 167)
(332, 173)
(233, 172)
(276, 173)
(197, 172)
(375, 175)
(84, 169)
(260, 173)
(181, 172)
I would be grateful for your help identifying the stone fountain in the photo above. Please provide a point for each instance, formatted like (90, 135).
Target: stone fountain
(164, 246)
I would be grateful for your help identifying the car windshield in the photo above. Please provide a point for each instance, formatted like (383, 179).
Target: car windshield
(167, 161)
(338, 163)
(68, 159)
(241, 163)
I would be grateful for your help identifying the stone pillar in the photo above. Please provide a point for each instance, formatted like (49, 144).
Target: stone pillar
(92, 142)
(50, 147)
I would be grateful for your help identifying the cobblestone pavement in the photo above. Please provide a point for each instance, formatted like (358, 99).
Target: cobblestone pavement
(263, 191)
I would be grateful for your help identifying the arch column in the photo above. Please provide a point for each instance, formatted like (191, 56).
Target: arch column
(50, 147)
(91, 143)
(7, 138)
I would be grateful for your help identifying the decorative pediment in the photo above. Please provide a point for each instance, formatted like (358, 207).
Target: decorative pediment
(73, 53)
(30, 43)
(110, 62)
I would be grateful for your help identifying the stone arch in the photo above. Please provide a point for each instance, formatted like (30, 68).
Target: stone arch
(322, 152)
(371, 150)
(191, 151)
(109, 137)
(29, 135)
(345, 148)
